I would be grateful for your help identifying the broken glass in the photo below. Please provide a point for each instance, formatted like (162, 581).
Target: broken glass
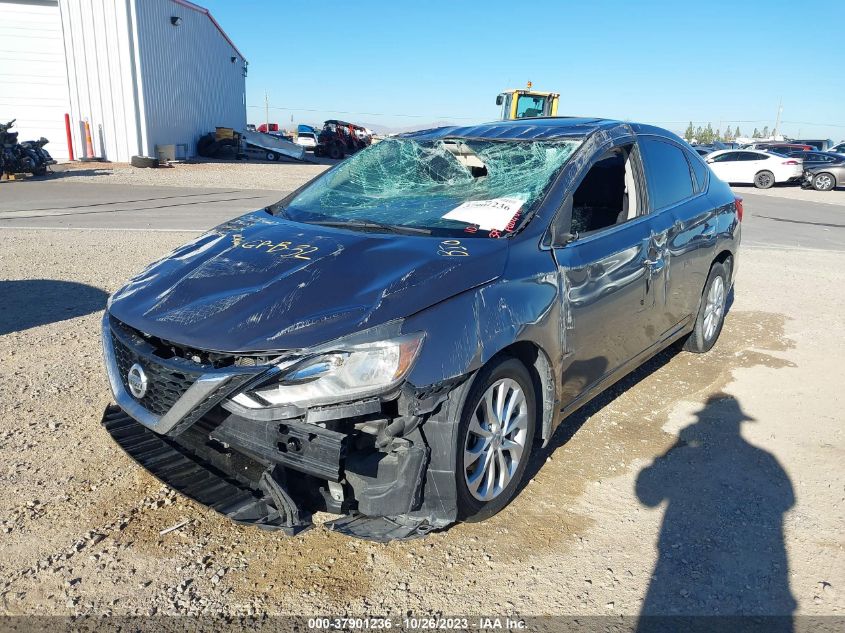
(483, 185)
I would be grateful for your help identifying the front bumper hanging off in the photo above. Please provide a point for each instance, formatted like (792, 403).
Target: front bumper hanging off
(273, 473)
(258, 496)
(268, 507)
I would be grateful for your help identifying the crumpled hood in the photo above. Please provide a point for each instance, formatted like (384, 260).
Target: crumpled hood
(261, 283)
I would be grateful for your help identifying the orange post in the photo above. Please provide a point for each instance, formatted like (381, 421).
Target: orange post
(89, 144)
(69, 138)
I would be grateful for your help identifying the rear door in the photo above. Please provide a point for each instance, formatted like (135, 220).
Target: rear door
(753, 162)
(683, 222)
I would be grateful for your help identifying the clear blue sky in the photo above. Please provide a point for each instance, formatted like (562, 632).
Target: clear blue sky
(662, 62)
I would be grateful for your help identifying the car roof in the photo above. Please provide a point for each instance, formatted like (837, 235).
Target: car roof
(719, 152)
(534, 128)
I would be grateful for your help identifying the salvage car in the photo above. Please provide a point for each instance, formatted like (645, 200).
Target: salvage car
(393, 341)
(825, 177)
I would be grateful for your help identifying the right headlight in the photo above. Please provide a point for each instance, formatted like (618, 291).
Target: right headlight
(338, 374)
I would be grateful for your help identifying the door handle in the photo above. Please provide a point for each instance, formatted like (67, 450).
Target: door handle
(653, 262)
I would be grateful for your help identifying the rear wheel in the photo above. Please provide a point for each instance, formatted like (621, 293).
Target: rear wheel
(711, 313)
(824, 182)
(272, 156)
(494, 439)
(764, 179)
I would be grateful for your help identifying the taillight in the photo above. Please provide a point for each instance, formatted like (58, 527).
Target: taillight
(791, 162)
(739, 209)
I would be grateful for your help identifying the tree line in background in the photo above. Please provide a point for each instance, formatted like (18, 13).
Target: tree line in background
(706, 135)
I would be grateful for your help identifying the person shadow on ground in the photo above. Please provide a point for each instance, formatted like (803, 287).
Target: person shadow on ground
(721, 546)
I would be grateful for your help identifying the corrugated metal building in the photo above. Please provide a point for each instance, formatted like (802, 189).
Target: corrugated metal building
(142, 73)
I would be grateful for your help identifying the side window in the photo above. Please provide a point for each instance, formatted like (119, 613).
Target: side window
(729, 157)
(699, 169)
(667, 172)
(609, 193)
(756, 156)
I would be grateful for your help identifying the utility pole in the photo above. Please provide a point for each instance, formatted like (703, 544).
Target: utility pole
(267, 111)
(777, 122)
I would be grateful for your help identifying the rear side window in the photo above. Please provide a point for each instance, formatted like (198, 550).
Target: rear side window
(699, 169)
(667, 172)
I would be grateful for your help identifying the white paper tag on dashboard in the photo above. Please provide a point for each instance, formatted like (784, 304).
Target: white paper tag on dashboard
(489, 215)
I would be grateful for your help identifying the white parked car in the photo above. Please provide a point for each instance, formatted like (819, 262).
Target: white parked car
(764, 169)
(838, 149)
(308, 140)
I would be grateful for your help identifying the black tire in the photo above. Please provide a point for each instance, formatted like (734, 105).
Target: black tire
(225, 148)
(764, 179)
(336, 151)
(698, 341)
(470, 508)
(143, 161)
(271, 156)
(204, 144)
(824, 181)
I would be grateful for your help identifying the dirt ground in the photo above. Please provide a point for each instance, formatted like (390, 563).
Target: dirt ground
(282, 176)
(748, 441)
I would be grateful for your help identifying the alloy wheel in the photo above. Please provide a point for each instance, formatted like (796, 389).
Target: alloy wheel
(714, 308)
(824, 182)
(764, 181)
(495, 442)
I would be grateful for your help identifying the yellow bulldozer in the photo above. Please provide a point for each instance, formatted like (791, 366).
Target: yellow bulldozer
(527, 103)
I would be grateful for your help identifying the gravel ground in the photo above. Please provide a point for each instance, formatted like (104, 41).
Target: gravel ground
(281, 176)
(82, 523)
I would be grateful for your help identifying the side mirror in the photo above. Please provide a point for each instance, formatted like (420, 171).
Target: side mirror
(500, 99)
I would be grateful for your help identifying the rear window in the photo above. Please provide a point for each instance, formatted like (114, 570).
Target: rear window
(668, 173)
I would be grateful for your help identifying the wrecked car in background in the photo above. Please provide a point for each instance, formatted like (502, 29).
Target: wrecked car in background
(392, 341)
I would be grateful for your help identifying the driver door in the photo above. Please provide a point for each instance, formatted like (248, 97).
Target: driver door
(609, 274)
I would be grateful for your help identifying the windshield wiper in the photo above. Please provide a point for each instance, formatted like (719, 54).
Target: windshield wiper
(374, 226)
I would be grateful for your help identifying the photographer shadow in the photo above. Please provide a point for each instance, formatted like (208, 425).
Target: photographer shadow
(721, 546)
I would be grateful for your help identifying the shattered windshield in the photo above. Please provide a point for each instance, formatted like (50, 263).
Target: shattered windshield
(444, 187)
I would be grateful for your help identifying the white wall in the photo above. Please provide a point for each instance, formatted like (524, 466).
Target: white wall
(33, 83)
(190, 83)
(121, 65)
(100, 70)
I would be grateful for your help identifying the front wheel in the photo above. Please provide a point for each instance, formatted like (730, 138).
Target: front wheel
(824, 182)
(764, 179)
(272, 156)
(495, 437)
(711, 313)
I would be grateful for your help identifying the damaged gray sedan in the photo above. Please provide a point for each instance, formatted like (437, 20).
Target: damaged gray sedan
(393, 341)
